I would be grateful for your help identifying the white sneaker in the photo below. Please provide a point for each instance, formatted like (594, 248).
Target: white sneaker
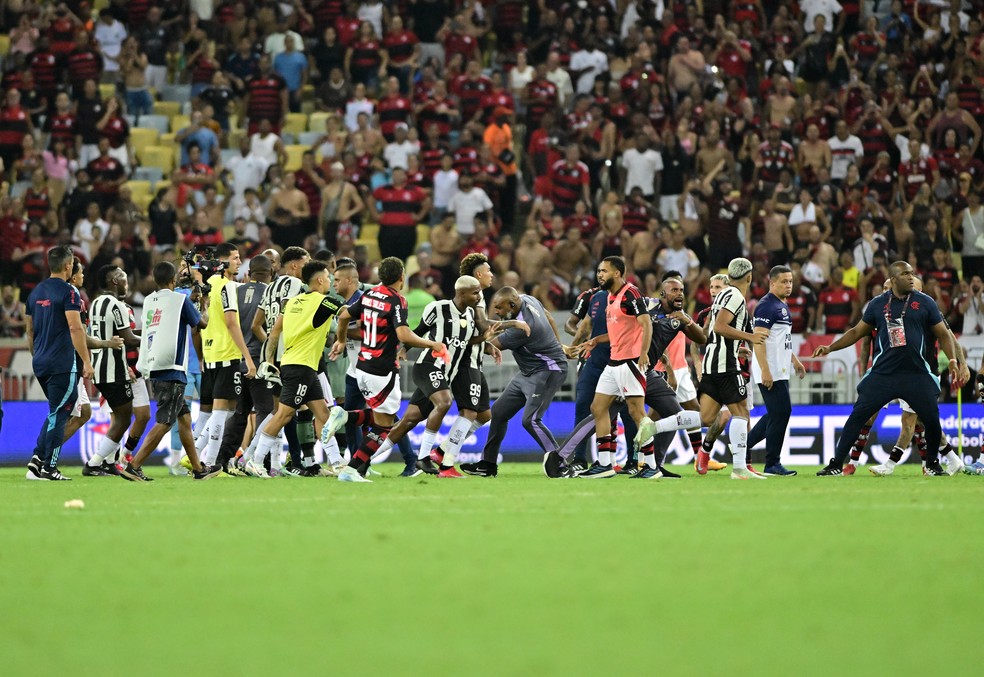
(953, 465)
(254, 470)
(746, 474)
(336, 419)
(373, 472)
(883, 470)
(177, 471)
(647, 429)
(350, 474)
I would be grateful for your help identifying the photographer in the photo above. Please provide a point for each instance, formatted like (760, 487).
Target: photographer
(164, 352)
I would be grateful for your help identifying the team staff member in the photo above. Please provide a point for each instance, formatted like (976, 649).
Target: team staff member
(590, 310)
(224, 348)
(164, 349)
(905, 323)
(771, 369)
(57, 340)
(304, 323)
(257, 392)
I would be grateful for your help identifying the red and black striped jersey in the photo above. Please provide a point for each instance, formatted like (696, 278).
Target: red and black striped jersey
(137, 12)
(380, 311)
(874, 139)
(775, 159)
(117, 130)
(326, 12)
(103, 170)
(543, 96)
(61, 127)
(420, 180)
(837, 308)
(430, 158)
(44, 67)
(635, 217)
(84, 64)
(400, 45)
(14, 125)
(470, 93)
(393, 110)
(431, 115)
(347, 29)
(36, 204)
(399, 205)
(915, 173)
(365, 55)
(203, 69)
(566, 182)
(465, 45)
(465, 160)
(494, 99)
(265, 100)
(61, 36)
(969, 93)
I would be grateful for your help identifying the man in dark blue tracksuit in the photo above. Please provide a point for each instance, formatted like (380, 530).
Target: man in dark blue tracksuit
(906, 325)
(593, 306)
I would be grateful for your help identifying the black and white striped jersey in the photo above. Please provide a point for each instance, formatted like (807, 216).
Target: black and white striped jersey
(721, 356)
(108, 316)
(445, 323)
(275, 296)
(477, 351)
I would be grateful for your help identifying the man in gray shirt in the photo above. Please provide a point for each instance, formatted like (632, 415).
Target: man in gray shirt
(542, 370)
(254, 392)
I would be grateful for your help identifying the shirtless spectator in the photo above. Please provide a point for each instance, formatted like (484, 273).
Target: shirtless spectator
(289, 214)
(531, 258)
(571, 256)
(812, 155)
(713, 150)
(686, 69)
(781, 106)
(445, 244)
(677, 256)
(641, 248)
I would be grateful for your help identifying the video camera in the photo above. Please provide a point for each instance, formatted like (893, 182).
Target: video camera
(201, 258)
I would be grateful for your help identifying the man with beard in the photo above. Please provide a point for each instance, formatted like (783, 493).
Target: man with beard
(667, 319)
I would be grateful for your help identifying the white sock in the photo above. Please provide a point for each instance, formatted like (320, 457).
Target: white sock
(605, 457)
(890, 464)
(383, 448)
(473, 426)
(332, 452)
(254, 443)
(201, 422)
(427, 443)
(738, 436)
(201, 438)
(649, 460)
(952, 458)
(216, 429)
(266, 445)
(276, 452)
(684, 420)
(107, 447)
(459, 433)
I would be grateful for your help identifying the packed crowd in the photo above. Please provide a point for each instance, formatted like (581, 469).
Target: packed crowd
(543, 135)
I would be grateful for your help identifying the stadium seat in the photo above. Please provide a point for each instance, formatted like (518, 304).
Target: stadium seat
(138, 186)
(234, 136)
(177, 93)
(161, 157)
(4, 44)
(423, 233)
(296, 123)
(295, 154)
(152, 174)
(309, 138)
(288, 138)
(143, 200)
(228, 154)
(141, 137)
(159, 122)
(317, 122)
(107, 91)
(179, 122)
(167, 108)
(372, 246)
(370, 231)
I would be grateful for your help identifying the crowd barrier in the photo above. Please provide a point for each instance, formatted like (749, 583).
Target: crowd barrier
(813, 433)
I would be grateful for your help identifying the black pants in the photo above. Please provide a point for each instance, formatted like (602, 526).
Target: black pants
(921, 391)
(772, 426)
(398, 241)
(256, 394)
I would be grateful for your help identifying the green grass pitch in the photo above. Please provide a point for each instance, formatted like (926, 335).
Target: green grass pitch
(516, 575)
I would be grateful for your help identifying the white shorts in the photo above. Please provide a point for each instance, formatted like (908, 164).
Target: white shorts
(141, 398)
(382, 393)
(83, 399)
(668, 208)
(624, 380)
(902, 403)
(685, 385)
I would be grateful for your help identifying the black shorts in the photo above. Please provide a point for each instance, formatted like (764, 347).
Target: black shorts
(429, 379)
(300, 385)
(117, 394)
(223, 383)
(724, 388)
(171, 404)
(470, 390)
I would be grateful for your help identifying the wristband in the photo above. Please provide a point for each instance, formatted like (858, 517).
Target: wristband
(954, 360)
